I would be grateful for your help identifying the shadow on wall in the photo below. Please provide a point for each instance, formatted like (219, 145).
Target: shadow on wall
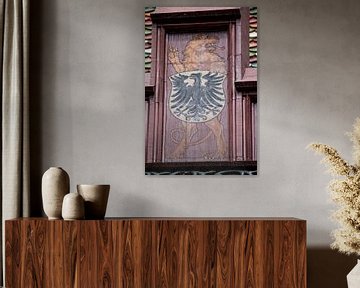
(36, 12)
(328, 268)
(140, 207)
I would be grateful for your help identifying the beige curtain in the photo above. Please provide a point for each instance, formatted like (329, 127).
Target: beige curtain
(14, 27)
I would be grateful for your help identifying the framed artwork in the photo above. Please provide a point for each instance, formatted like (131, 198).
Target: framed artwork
(200, 90)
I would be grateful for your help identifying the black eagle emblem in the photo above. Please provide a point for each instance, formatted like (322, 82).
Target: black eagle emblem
(197, 96)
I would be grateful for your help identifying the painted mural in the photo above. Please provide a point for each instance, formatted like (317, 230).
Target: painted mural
(197, 71)
(200, 90)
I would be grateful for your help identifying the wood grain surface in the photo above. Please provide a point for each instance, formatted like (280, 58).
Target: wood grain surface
(245, 253)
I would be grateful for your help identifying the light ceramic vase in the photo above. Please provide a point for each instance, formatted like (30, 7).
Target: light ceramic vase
(96, 198)
(353, 278)
(55, 185)
(73, 207)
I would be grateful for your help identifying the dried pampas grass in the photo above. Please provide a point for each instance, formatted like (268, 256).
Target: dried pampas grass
(345, 192)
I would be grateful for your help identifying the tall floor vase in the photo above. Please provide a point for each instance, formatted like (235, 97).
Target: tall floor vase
(353, 278)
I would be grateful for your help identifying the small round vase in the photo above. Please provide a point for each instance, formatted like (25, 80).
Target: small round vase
(73, 207)
(55, 185)
(96, 198)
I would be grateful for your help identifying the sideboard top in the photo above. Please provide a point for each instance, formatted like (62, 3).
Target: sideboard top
(174, 219)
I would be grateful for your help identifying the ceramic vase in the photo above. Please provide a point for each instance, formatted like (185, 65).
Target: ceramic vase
(55, 185)
(73, 207)
(353, 278)
(96, 198)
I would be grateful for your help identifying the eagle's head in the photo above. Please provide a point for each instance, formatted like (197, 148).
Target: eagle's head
(195, 76)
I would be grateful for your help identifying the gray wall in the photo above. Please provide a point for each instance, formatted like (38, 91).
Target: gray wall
(88, 109)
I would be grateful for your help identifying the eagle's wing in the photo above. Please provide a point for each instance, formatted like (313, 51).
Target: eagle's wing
(181, 93)
(213, 93)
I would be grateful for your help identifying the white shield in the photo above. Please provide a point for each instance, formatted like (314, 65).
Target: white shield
(197, 96)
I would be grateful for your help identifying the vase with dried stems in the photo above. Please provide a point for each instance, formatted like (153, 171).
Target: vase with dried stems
(345, 192)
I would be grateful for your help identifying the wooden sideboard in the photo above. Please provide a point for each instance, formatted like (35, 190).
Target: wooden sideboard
(156, 252)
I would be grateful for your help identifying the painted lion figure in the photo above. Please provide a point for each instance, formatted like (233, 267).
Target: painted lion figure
(200, 54)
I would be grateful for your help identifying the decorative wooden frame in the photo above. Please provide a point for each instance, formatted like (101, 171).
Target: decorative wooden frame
(242, 93)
